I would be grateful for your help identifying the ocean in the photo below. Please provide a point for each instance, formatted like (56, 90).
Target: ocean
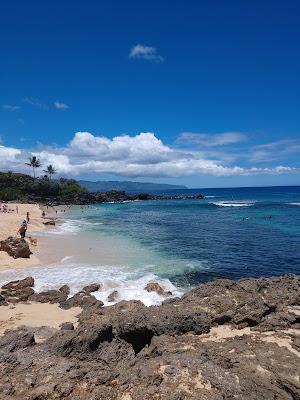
(232, 233)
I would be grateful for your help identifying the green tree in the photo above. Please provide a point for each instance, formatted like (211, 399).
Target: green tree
(34, 162)
(50, 170)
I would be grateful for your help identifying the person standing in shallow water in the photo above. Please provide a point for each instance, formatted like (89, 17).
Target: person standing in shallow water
(27, 217)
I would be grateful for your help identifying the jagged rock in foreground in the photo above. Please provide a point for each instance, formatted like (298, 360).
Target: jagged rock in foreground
(15, 247)
(223, 340)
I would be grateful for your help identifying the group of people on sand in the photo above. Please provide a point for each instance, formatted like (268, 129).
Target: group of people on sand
(4, 208)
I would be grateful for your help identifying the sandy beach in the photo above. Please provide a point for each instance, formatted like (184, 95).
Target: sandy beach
(35, 314)
(29, 314)
(9, 225)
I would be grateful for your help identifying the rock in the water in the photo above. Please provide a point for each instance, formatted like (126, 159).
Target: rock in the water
(155, 287)
(81, 299)
(65, 289)
(15, 247)
(51, 222)
(19, 284)
(113, 296)
(94, 287)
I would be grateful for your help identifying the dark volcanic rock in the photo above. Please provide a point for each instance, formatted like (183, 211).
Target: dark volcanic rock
(21, 294)
(65, 289)
(49, 296)
(15, 340)
(182, 349)
(94, 287)
(155, 287)
(20, 284)
(15, 247)
(67, 326)
(81, 299)
(16, 291)
(113, 296)
(84, 198)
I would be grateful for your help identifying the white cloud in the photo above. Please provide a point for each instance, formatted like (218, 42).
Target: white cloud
(35, 102)
(208, 140)
(142, 155)
(146, 53)
(8, 157)
(274, 150)
(8, 107)
(61, 106)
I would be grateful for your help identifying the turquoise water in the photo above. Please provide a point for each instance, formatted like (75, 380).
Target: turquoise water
(236, 233)
(232, 233)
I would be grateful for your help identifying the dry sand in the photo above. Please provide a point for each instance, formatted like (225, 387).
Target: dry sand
(35, 315)
(29, 314)
(9, 225)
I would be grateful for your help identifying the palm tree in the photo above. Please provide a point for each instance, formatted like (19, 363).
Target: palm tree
(34, 162)
(50, 170)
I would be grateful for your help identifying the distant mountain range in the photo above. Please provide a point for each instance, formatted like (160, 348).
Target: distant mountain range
(129, 186)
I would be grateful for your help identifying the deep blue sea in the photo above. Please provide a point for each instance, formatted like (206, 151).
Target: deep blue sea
(232, 233)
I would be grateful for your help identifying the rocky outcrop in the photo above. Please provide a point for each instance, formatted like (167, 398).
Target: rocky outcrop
(155, 287)
(223, 340)
(19, 284)
(16, 291)
(82, 198)
(49, 296)
(113, 296)
(15, 247)
(67, 326)
(94, 287)
(81, 299)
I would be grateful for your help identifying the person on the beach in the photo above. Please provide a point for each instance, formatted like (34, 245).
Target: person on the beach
(17, 209)
(27, 217)
(43, 214)
(23, 229)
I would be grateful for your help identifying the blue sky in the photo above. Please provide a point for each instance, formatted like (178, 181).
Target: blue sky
(204, 93)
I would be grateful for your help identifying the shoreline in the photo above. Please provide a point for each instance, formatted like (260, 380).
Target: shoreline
(11, 221)
(9, 225)
(82, 257)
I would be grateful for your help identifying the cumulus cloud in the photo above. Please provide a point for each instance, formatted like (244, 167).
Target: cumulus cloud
(208, 140)
(142, 155)
(61, 106)
(145, 53)
(8, 107)
(8, 157)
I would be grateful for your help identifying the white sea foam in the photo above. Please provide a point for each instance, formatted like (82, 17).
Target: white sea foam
(68, 227)
(67, 258)
(295, 204)
(128, 285)
(234, 203)
(71, 227)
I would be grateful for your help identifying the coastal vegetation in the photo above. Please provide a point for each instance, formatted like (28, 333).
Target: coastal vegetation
(25, 188)
(34, 163)
(22, 187)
